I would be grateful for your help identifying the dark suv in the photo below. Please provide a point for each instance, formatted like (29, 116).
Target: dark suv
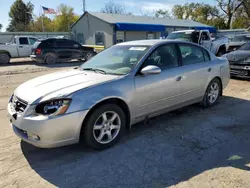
(54, 50)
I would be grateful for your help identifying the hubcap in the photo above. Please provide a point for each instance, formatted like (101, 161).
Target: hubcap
(4, 58)
(51, 59)
(107, 127)
(213, 93)
(88, 56)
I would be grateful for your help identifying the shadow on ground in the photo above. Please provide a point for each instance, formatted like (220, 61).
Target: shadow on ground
(171, 149)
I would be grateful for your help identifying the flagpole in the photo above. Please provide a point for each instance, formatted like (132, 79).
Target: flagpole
(42, 18)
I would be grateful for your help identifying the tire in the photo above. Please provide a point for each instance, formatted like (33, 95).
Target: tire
(51, 58)
(4, 58)
(89, 55)
(212, 96)
(97, 132)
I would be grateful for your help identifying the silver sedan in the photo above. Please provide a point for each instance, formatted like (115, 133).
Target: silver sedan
(123, 85)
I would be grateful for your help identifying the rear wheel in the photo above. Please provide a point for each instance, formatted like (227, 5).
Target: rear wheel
(4, 58)
(104, 126)
(51, 58)
(212, 93)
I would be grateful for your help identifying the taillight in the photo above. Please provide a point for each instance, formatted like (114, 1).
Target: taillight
(38, 51)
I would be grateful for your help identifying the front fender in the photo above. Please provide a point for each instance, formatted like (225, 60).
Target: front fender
(87, 98)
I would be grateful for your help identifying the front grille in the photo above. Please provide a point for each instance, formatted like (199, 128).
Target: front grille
(239, 72)
(237, 66)
(18, 105)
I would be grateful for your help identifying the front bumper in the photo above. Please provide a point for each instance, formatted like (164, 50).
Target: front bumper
(241, 71)
(51, 131)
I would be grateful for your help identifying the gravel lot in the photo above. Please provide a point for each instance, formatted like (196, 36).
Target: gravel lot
(190, 147)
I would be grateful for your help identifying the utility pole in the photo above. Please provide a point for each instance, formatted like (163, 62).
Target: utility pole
(84, 6)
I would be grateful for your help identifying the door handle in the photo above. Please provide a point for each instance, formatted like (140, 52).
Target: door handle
(179, 78)
(209, 69)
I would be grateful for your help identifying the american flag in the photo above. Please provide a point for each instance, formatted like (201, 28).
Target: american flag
(48, 10)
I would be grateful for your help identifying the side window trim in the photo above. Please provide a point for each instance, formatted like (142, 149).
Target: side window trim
(177, 53)
(191, 45)
(208, 55)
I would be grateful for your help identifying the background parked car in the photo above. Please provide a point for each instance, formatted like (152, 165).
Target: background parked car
(236, 42)
(53, 50)
(239, 61)
(20, 47)
(202, 37)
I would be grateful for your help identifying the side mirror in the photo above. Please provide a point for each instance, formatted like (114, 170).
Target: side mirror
(151, 69)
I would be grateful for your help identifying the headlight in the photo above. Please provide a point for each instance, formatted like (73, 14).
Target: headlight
(53, 107)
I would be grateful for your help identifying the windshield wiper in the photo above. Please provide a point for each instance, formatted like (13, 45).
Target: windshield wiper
(95, 70)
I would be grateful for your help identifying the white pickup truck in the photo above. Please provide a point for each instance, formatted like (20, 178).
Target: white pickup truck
(19, 47)
(203, 38)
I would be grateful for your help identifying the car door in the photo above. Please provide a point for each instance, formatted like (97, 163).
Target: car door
(76, 50)
(206, 41)
(24, 48)
(63, 48)
(156, 92)
(196, 67)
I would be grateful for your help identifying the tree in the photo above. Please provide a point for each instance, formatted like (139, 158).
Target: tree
(66, 18)
(20, 15)
(229, 8)
(114, 8)
(200, 12)
(162, 13)
(1, 26)
(40, 22)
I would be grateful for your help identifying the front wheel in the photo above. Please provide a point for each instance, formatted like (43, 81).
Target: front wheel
(212, 93)
(104, 126)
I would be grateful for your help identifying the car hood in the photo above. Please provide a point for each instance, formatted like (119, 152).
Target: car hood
(237, 55)
(59, 84)
(236, 43)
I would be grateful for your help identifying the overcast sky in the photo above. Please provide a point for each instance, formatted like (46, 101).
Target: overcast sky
(134, 6)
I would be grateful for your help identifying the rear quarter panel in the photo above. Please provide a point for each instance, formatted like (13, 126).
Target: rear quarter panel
(11, 49)
(220, 68)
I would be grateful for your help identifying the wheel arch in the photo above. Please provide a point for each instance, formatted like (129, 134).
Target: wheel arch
(5, 52)
(222, 47)
(221, 86)
(119, 102)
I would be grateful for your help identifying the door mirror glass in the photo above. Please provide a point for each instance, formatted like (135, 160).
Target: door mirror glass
(151, 69)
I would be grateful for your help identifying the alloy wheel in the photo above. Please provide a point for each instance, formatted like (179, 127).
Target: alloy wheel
(213, 93)
(107, 127)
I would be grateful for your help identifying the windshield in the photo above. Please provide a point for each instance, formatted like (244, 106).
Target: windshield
(245, 47)
(180, 35)
(240, 39)
(119, 59)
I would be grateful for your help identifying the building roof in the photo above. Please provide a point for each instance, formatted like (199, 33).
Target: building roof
(119, 18)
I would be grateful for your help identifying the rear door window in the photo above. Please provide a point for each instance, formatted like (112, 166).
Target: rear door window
(23, 41)
(64, 43)
(191, 54)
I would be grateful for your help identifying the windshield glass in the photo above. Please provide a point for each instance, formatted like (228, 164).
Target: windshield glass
(180, 35)
(119, 60)
(245, 47)
(240, 39)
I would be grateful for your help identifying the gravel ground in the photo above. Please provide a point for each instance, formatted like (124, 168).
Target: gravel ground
(190, 147)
